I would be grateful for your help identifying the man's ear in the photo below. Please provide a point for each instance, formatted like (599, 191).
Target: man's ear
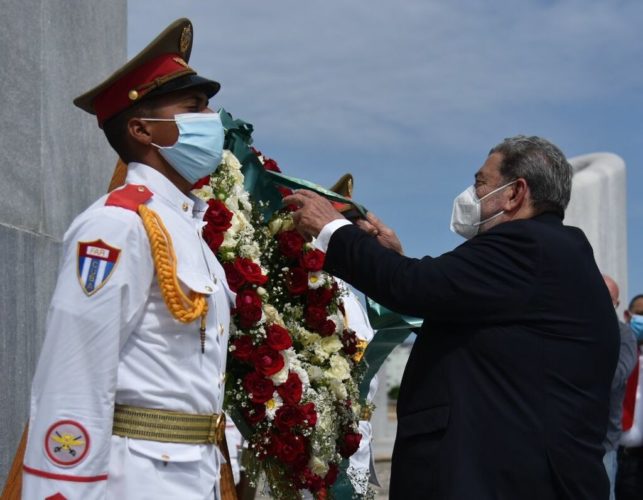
(139, 131)
(518, 196)
(627, 316)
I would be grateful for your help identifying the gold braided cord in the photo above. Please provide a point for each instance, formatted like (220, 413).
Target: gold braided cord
(184, 308)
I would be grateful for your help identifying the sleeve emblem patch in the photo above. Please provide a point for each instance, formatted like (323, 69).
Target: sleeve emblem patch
(96, 263)
(66, 443)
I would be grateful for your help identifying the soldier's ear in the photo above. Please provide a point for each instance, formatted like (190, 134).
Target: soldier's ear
(139, 131)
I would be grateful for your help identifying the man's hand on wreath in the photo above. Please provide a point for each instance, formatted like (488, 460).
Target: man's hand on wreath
(313, 212)
(384, 234)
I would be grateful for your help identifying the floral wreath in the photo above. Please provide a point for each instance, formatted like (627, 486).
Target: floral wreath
(293, 365)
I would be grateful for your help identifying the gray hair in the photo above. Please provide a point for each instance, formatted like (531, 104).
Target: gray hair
(543, 166)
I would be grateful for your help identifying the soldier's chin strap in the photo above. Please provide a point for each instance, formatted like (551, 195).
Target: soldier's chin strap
(118, 177)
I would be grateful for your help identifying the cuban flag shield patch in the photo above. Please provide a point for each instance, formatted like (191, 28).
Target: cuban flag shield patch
(96, 263)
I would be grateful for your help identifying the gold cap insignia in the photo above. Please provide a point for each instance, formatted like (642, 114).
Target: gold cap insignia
(186, 39)
(133, 95)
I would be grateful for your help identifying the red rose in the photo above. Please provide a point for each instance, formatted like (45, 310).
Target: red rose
(326, 328)
(291, 390)
(259, 387)
(271, 165)
(250, 271)
(314, 316)
(212, 237)
(321, 296)
(310, 481)
(203, 181)
(218, 216)
(349, 341)
(286, 192)
(234, 277)
(287, 417)
(290, 448)
(309, 413)
(255, 414)
(297, 281)
(243, 348)
(313, 260)
(331, 475)
(248, 308)
(349, 444)
(267, 361)
(291, 244)
(278, 337)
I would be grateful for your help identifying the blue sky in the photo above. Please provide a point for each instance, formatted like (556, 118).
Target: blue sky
(409, 96)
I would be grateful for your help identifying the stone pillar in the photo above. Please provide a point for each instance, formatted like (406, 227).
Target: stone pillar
(54, 162)
(598, 207)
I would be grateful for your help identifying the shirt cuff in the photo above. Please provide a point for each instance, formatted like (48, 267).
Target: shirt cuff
(321, 243)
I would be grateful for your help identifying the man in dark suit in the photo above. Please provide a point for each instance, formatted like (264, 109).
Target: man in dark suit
(505, 394)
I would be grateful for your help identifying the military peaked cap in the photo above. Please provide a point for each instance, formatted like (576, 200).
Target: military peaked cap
(160, 68)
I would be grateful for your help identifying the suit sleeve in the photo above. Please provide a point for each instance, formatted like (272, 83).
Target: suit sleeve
(104, 281)
(491, 275)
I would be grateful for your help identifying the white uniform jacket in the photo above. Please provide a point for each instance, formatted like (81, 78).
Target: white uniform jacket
(111, 339)
(361, 462)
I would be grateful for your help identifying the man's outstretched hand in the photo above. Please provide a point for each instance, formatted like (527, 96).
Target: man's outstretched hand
(384, 234)
(313, 212)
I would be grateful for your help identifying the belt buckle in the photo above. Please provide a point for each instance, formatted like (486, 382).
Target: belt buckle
(217, 428)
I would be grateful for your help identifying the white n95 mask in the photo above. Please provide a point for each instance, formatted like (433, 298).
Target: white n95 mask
(465, 218)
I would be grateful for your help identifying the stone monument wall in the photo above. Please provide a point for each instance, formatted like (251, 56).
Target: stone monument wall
(54, 163)
(598, 207)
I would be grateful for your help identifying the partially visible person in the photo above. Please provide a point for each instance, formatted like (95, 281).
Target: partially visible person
(629, 475)
(506, 392)
(628, 354)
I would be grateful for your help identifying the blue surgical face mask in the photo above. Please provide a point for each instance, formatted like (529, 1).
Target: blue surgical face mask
(636, 324)
(199, 148)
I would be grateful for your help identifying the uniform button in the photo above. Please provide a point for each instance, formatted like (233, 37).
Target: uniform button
(165, 456)
(185, 206)
(209, 289)
(221, 329)
(141, 189)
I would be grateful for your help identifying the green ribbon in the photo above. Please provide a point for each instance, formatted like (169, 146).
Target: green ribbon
(392, 329)
(261, 183)
(238, 139)
(295, 183)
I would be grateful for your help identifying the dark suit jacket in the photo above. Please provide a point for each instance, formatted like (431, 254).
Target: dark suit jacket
(505, 394)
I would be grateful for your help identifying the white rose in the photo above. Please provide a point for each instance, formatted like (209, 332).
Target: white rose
(339, 368)
(282, 375)
(338, 389)
(274, 225)
(205, 193)
(230, 160)
(288, 225)
(317, 466)
(272, 315)
(331, 344)
(314, 372)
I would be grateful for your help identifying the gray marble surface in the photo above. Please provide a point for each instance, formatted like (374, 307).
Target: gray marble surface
(55, 162)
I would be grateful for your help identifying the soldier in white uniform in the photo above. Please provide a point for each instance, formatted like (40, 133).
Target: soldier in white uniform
(127, 397)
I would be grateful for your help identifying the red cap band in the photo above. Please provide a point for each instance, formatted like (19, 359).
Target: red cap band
(129, 89)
